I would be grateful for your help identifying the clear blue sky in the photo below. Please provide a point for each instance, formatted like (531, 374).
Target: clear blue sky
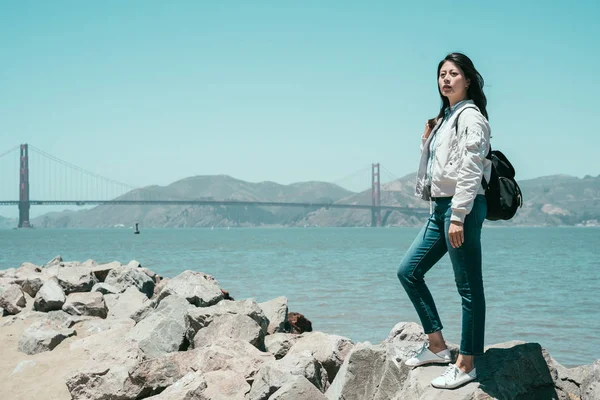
(148, 92)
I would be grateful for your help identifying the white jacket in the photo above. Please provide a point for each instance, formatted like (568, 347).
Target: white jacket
(459, 161)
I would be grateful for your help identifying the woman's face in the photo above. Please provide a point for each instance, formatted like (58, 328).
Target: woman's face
(452, 82)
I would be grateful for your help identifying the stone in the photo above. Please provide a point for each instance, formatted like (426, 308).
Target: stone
(590, 385)
(231, 326)
(202, 316)
(279, 344)
(124, 277)
(101, 271)
(105, 288)
(55, 261)
(199, 289)
(298, 388)
(102, 334)
(134, 264)
(43, 336)
(276, 311)
(190, 387)
(225, 385)
(275, 374)
(131, 304)
(76, 279)
(89, 264)
(12, 299)
(163, 330)
(90, 304)
(50, 297)
(329, 350)
(298, 323)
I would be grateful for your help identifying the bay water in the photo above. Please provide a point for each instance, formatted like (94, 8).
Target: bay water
(541, 284)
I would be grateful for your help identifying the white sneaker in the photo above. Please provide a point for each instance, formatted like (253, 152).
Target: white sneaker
(453, 377)
(426, 356)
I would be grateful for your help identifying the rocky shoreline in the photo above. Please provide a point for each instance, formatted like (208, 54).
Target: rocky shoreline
(83, 330)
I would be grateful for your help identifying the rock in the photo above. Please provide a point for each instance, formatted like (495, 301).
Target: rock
(298, 323)
(151, 274)
(190, 387)
(55, 261)
(407, 331)
(231, 326)
(199, 289)
(43, 336)
(76, 279)
(567, 382)
(276, 311)
(222, 385)
(134, 264)
(105, 376)
(329, 350)
(202, 316)
(31, 282)
(275, 374)
(279, 344)
(89, 264)
(12, 299)
(105, 288)
(298, 388)
(50, 297)
(590, 386)
(2, 312)
(101, 271)
(70, 264)
(59, 317)
(158, 288)
(226, 295)
(124, 277)
(163, 330)
(102, 334)
(368, 372)
(131, 304)
(10, 274)
(90, 304)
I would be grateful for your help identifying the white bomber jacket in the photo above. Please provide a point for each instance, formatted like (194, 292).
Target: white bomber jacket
(459, 161)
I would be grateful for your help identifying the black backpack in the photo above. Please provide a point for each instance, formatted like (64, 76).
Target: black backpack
(502, 193)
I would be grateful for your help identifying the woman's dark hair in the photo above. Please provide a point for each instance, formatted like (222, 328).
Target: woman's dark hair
(475, 90)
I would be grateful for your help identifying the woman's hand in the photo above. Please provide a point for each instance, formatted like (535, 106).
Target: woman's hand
(456, 234)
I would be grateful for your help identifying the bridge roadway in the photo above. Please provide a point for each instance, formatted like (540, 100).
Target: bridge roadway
(213, 203)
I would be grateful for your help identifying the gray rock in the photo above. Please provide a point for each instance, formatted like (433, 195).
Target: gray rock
(76, 279)
(298, 388)
(368, 372)
(590, 386)
(225, 385)
(43, 336)
(59, 317)
(276, 311)
(279, 344)
(102, 334)
(90, 304)
(163, 330)
(275, 374)
(231, 326)
(105, 288)
(101, 271)
(200, 317)
(10, 274)
(407, 332)
(50, 297)
(190, 387)
(158, 288)
(89, 264)
(329, 350)
(199, 289)
(131, 304)
(105, 376)
(31, 282)
(134, 264)
(12, 299)
(567, 381)
(151, 274)
(55, 261)
(124, 277)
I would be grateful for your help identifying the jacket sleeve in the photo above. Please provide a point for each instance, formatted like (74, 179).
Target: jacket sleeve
(474, 148)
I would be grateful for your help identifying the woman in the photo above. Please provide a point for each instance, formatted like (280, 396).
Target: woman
(453, 163)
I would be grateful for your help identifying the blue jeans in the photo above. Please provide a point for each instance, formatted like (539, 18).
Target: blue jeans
(427, 249)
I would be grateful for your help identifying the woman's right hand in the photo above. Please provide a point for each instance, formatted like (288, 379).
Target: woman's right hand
(429, 125)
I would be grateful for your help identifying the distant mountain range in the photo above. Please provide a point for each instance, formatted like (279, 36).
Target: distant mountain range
(557, 200)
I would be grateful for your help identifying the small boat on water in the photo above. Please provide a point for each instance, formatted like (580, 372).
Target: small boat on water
(137, 231)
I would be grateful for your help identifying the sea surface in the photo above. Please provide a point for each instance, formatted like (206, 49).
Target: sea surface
(541, 284)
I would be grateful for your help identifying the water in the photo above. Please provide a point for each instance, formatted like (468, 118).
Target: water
(541, 283)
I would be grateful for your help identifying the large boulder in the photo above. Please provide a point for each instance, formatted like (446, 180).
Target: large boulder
(42, 336)
(76, 279)
(590, 386)
(276, 311)
(199, 289)
(163, 330)
(215, 385)
(329, 350)
(190, 387)
(130, 304)
(50, 297)
(106, 376)
(298, 388)
(101, 270)
(275, 374)
(12, 299)
(567, 381)
(124, 277)
(231, 326)
(89, 304)
(279, 344)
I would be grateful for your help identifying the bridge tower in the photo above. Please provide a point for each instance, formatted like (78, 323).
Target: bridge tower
(24, 188)
(375, 196)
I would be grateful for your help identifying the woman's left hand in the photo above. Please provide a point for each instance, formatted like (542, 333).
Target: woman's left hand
(456, 234)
